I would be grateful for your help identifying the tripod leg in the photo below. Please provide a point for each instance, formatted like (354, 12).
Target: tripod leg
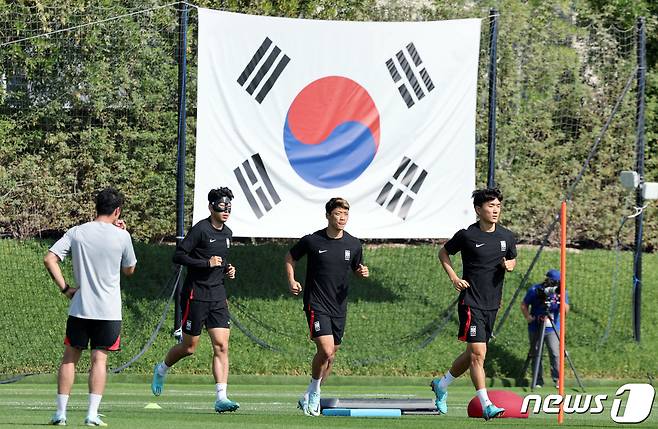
(540, 351)
(566, 354)
(573, 369)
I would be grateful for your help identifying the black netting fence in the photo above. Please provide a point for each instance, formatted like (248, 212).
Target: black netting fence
(88, 98)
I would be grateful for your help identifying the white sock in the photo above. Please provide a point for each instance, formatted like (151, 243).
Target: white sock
(314, 386)
(484, 398)
(445, 381)
(62, 401)
(162, 369)
(94, 403)
(221, 388)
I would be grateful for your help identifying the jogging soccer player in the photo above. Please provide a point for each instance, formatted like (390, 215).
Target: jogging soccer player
(100, 251)
(331, 254)
(488, 251)
(204, 252)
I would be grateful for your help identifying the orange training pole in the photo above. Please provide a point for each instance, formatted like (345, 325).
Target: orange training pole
(563, 313)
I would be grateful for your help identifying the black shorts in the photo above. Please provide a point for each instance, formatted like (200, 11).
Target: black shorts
(103, 334)
(475, 324)
(321, 324)
(196, 314)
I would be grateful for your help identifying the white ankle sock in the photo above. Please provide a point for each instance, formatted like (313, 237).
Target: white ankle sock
(221, 389)
(484, 398)
(445, 381)
(94, 403)
(314, 385)
(62, 401)
(162, 369)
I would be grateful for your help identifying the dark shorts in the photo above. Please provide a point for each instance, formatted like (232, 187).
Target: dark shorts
(196, 314)
(475, 324)
(321, 324)
(102, 334)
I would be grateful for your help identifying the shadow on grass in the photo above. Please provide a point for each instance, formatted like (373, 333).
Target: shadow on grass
(501, 363)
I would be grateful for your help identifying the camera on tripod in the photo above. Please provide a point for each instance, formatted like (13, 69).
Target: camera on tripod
(549, 293)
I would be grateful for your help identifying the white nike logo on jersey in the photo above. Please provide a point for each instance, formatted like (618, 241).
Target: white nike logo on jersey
(479, 244)
(321, 251)
(212, 240)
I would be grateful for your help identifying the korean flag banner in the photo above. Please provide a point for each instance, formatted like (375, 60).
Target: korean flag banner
(293, 112)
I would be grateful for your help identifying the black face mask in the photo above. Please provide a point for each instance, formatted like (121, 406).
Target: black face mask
(216, 205)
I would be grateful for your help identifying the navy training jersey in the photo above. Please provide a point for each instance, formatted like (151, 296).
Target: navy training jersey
(482, 255)
(328, 266)
(201, 243)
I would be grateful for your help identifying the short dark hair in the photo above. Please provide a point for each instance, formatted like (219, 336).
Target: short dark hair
(481, 196)
(218, 193)
(336, 202)
(108, 200)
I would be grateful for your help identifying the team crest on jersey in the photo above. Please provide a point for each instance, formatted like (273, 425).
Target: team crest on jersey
(316, 326)
(473, 330)
(503, 246)
(347, 255)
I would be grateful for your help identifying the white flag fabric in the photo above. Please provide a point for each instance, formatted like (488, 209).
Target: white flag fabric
(292, 112)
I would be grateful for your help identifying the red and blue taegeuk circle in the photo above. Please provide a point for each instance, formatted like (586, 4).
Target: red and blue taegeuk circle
(331, 133)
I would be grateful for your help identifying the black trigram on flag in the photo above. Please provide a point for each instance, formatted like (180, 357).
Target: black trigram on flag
(257, 179)
(266, 69)
(413, 74)
(399, 192)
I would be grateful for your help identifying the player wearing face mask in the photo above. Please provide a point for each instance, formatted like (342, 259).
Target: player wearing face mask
(204, 252)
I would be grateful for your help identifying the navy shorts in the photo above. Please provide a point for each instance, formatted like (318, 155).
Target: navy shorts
(102, 334)
(475, 324)
(321, 324)
(197, 314)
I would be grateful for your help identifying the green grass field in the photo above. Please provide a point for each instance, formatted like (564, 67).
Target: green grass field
(266, 402)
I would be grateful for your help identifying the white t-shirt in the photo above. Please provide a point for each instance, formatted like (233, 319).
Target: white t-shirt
(99, 251)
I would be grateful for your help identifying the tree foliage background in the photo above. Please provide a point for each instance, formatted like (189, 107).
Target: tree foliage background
(97, 106)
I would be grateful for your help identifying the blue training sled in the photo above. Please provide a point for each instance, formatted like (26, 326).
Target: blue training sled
(362, 412)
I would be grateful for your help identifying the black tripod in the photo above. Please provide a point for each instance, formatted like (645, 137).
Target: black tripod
(540, 351)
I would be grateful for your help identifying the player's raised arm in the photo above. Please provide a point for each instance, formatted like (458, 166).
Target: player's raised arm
(509, 264)
(357, 264)
(190, 242)
(51, 261)
(128, 256)
(293, 285)
(230, 271)
(362, 271)
(458, 283)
